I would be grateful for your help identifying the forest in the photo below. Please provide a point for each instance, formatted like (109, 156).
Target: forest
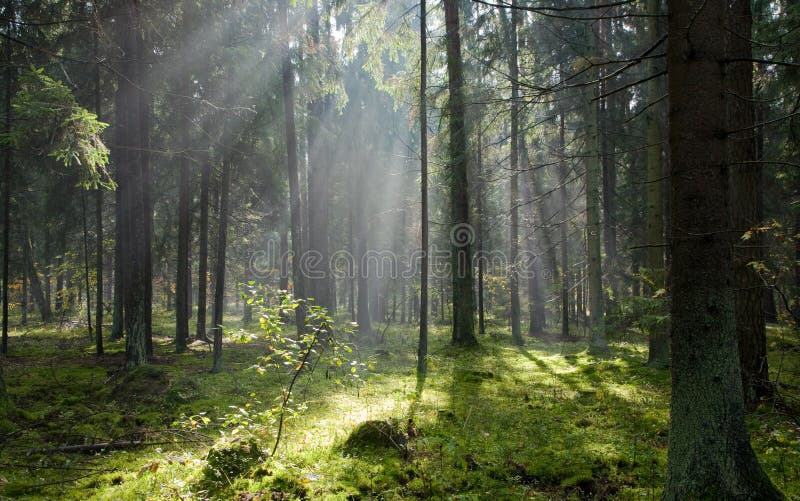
(400, 249)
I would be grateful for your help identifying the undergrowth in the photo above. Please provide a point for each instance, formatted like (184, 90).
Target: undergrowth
(546, 421)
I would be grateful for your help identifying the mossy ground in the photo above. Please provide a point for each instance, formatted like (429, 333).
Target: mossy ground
(546, 421)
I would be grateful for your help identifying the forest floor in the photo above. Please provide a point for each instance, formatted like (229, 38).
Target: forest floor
(546, 421)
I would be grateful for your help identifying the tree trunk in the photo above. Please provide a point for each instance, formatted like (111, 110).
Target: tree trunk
(98, 216)
(563, 226)
(709, 448)
(117, 325)
(513, 254)
(202, 266)
(131, 163)
(222, 243)
(33, 277)
(658, 342)
(10, 83)
(746, 207)
(461, 234)
(422, 351)
(594, 271)
(182, 312)
(318, 182)
(85, 264)
(295, 212)
(479, 182)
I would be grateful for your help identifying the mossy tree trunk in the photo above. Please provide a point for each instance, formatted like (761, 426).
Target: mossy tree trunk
(709, 447)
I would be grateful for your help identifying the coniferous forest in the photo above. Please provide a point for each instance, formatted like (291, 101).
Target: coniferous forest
(400, 249)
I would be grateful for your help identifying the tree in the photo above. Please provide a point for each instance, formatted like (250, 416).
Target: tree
(130, 159)
(747, 207)
(202, 267)
(422, 352)
(709, 449)
(461, 233)
(594, 270)
(513, 278)
(658, 342)
(295, 209)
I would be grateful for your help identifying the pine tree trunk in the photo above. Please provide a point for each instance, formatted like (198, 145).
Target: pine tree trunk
(182, 312)
(709, 447)
(594, 271)
(202, 266)
(10, 83)
(513, 254)
(746, 193)
(222, 243)
(658, 342)
(131, 163)
(462, 235)
(295, 212)
(564, 225)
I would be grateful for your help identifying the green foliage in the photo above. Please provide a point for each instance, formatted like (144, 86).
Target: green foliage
(49, 122)
(290, 356)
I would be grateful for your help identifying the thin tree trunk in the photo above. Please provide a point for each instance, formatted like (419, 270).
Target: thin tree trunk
(182, 312)
(10, 82)
(563, 227)
(513, 272)
(117, 325)
(598, 344)
(86, 264)
(98, 215)
(222, 243)
(33, 277)
(202, 266)
(422, 352)
(746, 194)
(295, 212)
(658, 349)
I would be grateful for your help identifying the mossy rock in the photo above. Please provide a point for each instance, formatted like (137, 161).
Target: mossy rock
(146, 383)
(231, 460)
(376, 434)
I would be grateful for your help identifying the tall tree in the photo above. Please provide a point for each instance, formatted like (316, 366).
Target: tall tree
(746, 206)
(202, 265)
(295, 203)
(513, 278)
(98, 198)
(594, 270)
(461, 233)
(422, 352)
(658, 342)
(222, 244)
(709, 448)
(130, 141)
(563, 173)
(319, 286)
(10, 82)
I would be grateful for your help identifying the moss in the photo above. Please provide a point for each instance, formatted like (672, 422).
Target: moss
(230, 460)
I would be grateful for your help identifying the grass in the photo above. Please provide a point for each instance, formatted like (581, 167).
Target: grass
(546, 421)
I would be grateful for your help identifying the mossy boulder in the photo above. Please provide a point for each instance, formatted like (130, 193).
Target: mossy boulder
(231, 460)
(377, 434)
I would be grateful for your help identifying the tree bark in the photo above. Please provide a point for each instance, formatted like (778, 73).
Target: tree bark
(709, 447)
(131, 163)
(513, 254)
(462, 235)
(295, 212)
(746, 204)
(563, 226)
(10, 83)
(594, 271)
(202, 266)
(33, 277)
(422, 351)
(658, 342)
(222, 243)
(182, 312)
